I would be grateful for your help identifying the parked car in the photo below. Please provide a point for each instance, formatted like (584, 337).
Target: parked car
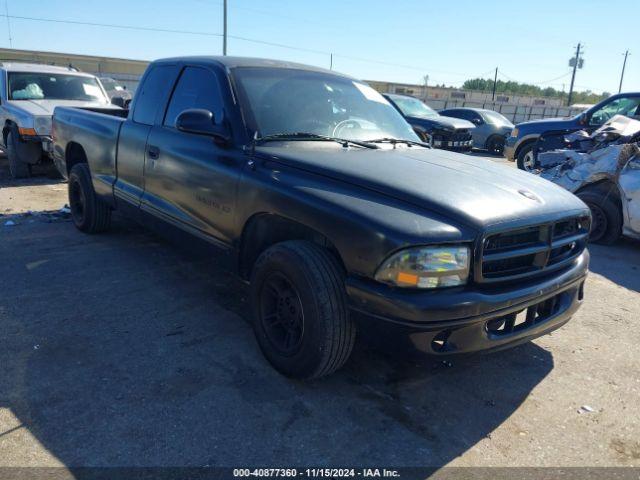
(491, 128)
(520, 144)
(115, 91)
(443, 132)
(28, 95)
(332, 209)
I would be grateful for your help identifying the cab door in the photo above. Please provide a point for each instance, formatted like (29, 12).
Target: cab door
(190, 179)
(153, 92)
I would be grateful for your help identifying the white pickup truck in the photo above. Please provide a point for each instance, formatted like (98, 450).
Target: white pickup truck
(28, 95)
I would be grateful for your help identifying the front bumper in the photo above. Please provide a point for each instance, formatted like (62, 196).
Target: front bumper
(510, 148)
(462, 320)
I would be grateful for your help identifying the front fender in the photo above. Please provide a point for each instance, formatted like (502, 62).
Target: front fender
(364, 226)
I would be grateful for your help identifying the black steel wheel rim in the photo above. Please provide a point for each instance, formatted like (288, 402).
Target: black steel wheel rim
(77, 200)
(281, 313)
(599, 222)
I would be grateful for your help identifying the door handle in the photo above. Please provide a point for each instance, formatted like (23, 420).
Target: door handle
(153, 152)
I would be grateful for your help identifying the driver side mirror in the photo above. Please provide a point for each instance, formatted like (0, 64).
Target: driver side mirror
(201, 122)
(118, 101)
(477, 121)
(584, 119)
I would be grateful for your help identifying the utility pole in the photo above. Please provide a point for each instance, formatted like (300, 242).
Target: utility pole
(224, 28)
(425, 79)
(495, 81)
(6, 9)
(576, 60)
(624, 64)
(331, 61)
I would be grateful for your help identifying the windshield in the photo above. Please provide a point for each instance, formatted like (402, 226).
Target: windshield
(412, 107)
(496, 119)
(53, 86)
(109, 84)
(279, 101)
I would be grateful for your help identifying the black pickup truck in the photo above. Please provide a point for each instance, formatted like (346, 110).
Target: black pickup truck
(331, 208)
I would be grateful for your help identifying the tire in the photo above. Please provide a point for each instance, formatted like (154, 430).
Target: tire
(606, 224)
(495, 145)
(301, 320)
(17, 167)
(525, 158)
(89, 213)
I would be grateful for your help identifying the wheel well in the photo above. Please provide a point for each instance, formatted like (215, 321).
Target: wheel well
(74, 154)
(605, 187)
(264, 230)
(489, 138)
(524, 144)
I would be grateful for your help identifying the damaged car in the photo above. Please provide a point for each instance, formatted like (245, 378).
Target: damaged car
(603, 170)
(519, 146)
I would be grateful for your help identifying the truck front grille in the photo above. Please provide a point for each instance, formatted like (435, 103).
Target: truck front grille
(531, 250)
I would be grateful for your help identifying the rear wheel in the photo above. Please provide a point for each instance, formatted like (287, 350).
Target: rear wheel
(526, 160)
(18, 168)
(606, 216)
(89, 213)
(301, 319)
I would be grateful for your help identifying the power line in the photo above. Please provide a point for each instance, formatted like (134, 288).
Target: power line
(6, 9)
(261, 42)
(111, 25)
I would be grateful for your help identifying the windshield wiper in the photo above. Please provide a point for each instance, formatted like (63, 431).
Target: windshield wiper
(301, 136)
(394, 141)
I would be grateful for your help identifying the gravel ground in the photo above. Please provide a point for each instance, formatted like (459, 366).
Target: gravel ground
(122, 349)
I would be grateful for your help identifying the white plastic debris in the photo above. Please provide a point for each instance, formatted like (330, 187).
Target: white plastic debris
(65, 209)
(36, 347)
(586, 409)
(9, 223)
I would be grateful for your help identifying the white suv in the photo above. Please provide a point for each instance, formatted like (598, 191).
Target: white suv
(28, 95)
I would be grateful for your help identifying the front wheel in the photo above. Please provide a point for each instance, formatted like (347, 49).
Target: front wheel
(495, 145)
(18, 168)
(526, 160)
(301, 320)
(606, 216)
(89, 213)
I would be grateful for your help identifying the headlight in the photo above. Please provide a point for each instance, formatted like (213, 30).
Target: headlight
(43, 125)
(426, 267)
(514, 132)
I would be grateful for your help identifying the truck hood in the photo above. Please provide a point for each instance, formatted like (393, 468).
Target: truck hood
(448, 123)
(474, 191)
(46, 107)
(546, 124)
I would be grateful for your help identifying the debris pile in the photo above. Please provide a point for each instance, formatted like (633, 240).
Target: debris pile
(46, 216)
(598, 156)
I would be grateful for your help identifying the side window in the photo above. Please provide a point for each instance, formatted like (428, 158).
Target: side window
(621, 106)
(476, 118)
(151, 93)
(196, 88)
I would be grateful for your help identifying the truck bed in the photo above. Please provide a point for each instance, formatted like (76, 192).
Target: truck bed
(95, 129)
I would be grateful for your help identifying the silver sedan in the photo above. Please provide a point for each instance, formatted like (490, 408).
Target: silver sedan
(491, 130)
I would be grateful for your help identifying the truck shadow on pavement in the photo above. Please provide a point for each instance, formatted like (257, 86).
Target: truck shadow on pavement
(619, 262)
(119, 349)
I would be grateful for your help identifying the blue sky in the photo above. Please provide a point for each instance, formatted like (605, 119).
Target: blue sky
(529, 41)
